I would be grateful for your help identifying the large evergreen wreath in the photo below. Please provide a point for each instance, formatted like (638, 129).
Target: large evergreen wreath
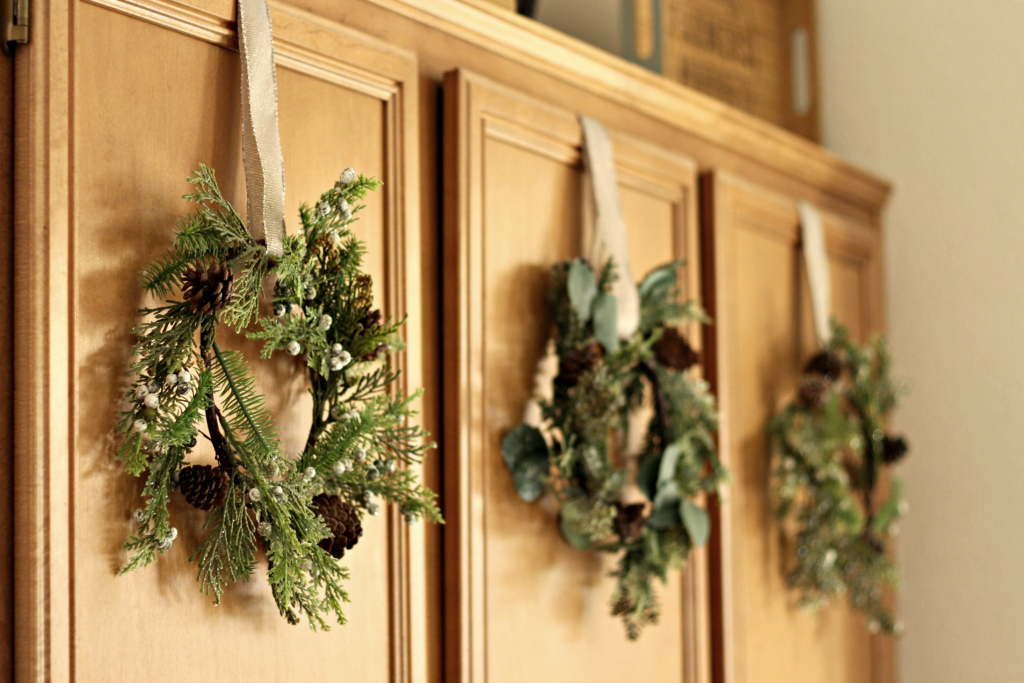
(578, 453)
(830, 447)
(304, 511)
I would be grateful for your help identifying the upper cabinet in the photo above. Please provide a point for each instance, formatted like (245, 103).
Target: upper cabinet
(757, 293)
(522, 603)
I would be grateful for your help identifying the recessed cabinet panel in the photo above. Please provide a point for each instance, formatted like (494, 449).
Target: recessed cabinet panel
(522, 603)
(155, 93)
(762, 336)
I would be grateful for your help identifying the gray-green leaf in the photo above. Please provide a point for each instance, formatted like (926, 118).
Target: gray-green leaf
(697, 522)
(582, 289)
(606, 322)
(522, 443)
(571, 534)
(659, 281)
(529, 478)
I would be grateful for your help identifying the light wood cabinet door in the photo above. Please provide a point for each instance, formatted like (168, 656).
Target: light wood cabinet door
(119, 100)
(522, 604)
(757, 293)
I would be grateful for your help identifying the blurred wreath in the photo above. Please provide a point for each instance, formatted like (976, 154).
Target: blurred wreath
(640, 506)
(830, 447)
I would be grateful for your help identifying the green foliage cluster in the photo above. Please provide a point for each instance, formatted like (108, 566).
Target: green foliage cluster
(829, 448)
(578, 453)
(361, 434)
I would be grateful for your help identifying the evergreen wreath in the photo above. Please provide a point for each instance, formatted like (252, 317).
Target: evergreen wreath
(829, 447)
(577, 455)
(304, 511)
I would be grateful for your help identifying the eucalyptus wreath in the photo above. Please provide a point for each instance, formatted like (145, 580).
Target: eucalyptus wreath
(303, 511)
(643, 509)
(829, 447)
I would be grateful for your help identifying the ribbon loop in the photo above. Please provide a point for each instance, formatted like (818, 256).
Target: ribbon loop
(604, 228)
(261, 141)
(812, 233)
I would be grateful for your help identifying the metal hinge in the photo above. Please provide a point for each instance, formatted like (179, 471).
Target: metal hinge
(14, 14)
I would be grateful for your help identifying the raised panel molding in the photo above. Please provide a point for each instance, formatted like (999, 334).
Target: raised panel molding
(511, 194)
(70, 215)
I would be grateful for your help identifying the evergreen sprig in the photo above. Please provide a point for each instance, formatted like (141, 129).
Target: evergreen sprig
(829, 447)
(361, 445)
(646, 513)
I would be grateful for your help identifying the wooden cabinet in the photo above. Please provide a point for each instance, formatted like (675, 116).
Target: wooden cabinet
(118, 100)
(522, 603)
(763, 333)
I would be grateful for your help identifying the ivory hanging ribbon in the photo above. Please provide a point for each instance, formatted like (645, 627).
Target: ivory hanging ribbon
(261, 141)
(812, 234)
(604, 228)
(603, 235)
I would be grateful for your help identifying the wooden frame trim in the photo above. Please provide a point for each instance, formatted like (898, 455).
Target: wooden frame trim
(560, 56)
(45, 252)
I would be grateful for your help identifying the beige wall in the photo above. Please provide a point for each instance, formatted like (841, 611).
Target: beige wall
(931, 94)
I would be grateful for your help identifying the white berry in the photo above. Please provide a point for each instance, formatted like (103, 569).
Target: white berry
(293, 348)
(308, 565)
(359, 454)
(344, 357)
(326, 320)
(277, 491)
(171, 380)
(153, 387)
(141, 391)
(310, 293)
(280, 310)
(340, 467)
(140, 516)
(184, 377)
(152, 401)
(310, 472)
(140, 425)
(337, 365)
(255, 495)
(348, 176)
(172, 534)
(373, 509)
(336, 349)
(324, 208)
(265, 529)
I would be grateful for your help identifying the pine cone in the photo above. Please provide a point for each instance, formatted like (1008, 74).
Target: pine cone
(372, 319)
(203, 486)
(673, 351)
(375, 354)
(576, 364)
(894, 449)
(814, 390)
(343, 521)
(825, 364)
(208, 289)
(630, 521)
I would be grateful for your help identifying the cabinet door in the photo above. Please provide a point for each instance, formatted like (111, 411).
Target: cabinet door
(763, 333)
(118, 102)
(522, 604)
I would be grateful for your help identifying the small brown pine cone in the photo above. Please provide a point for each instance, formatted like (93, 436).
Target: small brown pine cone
(576, 364)
(208, 289)
(343, 522)
(814, 390)
(375, 354)
(630, 521)
(372, 319)
(825, 364)
(673, 351)
(203, 486)
(894, 449)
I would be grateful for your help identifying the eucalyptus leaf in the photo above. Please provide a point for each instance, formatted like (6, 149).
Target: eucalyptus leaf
(529, 478)
(582, 289)
(522, 443)
(606, 322)
(666, 507)
(659, 281)
(697, 522)
(669, 459)
(571, 534)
